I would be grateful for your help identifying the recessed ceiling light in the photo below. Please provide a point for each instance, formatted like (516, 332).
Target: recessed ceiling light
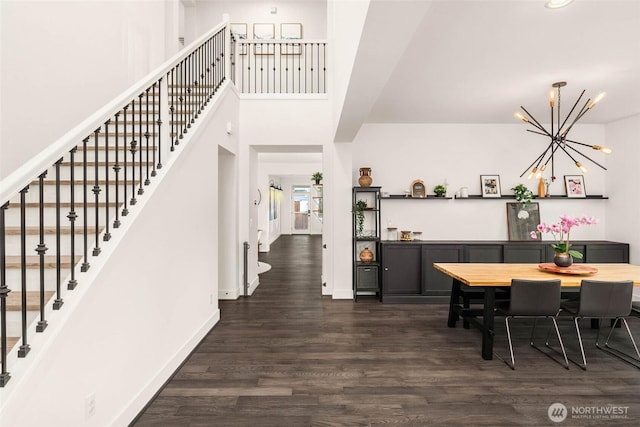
(556, 4)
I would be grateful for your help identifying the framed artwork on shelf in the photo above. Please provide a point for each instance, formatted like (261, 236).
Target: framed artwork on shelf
(239, 30)
(289, 32)
(418, 189)
(522, 220)
(490, 185)
(575, 186)
(263, 32)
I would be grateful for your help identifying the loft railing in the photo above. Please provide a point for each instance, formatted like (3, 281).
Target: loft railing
(70, 198)
(279, 66)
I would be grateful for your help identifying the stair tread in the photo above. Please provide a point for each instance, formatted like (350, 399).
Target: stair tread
(33, 261)
(11, 342)
(35, 230)
(14, 300)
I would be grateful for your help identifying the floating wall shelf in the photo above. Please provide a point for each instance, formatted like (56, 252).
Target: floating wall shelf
(591, 197)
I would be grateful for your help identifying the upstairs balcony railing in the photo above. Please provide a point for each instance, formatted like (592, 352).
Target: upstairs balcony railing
(58, 209)
(279, 66)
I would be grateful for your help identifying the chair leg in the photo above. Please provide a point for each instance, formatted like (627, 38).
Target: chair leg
(563, 353)
(512, 365)
(617, 353)
(576, 321)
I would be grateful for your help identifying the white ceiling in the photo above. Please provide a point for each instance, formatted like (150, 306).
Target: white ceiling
(477, 61)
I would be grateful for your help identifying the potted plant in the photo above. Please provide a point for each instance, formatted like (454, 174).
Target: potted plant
(523, 194)
(358, 210)
(440, 190)
(317, 177)
(560, 231)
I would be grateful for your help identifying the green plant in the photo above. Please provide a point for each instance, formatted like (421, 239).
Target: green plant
(523, 194)
(358, 210)
(440, 190)
(317, 177)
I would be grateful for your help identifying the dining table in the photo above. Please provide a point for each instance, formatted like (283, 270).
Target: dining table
(486, 278)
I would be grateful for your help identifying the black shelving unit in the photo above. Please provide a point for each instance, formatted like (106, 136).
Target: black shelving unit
(366, 275)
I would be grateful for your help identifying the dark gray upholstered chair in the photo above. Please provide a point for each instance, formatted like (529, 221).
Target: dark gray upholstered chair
(532, 299)
(603, 300)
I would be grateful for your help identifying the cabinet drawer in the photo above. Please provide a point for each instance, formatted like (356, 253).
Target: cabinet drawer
(367, 277)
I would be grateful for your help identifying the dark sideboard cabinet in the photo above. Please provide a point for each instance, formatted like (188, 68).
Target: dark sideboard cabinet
(408, 275)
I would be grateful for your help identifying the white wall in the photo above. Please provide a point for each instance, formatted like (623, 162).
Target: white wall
(123, 335)
(459, 154)
(312, 14)
(623, 209)
(62, 60)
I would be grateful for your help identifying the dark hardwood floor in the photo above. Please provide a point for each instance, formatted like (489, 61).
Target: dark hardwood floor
(289, 357)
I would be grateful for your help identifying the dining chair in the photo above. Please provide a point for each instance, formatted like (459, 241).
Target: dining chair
(603, 300)
(532, 299)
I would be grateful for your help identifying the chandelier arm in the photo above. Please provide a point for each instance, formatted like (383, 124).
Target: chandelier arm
(578, 116)
(567, 153)
(537, 133)
(587, 157)
(569, 115)
(537, 160)
(535, 122)
(579, 143)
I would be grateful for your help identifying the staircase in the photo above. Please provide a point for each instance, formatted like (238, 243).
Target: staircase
(56, 216)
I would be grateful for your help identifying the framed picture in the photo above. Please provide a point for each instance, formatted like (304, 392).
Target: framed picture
(490, 185)
(418, 189)
(239, 31)
(522, 220)
(263, 32)
(288, 32)
(575, 186)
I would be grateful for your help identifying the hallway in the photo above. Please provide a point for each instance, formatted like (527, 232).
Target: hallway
(289, 357)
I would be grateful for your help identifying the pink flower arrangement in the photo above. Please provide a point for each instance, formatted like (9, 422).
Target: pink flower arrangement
(561, 231)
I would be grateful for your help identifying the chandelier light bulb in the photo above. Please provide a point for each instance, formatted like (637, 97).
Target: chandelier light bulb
(556, 4)
(605, 150)
(582, 168)
(533, 173)
(552, 98)
(598, 99)
(519, 116)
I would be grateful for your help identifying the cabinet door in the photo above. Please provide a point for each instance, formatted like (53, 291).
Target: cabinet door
(524, 253)
(436, 283)
(604, 253)
(402, 269)
(483, 253)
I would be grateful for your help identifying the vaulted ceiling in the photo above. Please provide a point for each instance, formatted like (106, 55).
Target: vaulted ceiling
(477, 61)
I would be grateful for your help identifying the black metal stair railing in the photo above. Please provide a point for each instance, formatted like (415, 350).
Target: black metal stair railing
(121, 150)
(279, 66)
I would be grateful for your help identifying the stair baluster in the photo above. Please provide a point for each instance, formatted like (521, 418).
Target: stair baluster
(4, 292)
(58, 301)
(41, 250)
(24, 347)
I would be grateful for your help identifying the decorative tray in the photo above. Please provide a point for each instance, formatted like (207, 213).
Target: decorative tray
(573, 269)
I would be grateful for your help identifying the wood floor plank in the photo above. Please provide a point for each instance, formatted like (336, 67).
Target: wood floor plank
(287, 356)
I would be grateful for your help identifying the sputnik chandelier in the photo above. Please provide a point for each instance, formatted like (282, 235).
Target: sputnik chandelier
(558, 136)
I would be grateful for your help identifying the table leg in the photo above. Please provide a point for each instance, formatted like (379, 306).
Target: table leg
(487, 322)
(453, 302)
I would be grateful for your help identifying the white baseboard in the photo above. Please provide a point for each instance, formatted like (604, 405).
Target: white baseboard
(228, 294)
(154, 384)
(342, 294)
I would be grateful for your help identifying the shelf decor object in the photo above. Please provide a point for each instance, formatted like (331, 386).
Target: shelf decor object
(558, 134)
(418, 189)
(365, 179)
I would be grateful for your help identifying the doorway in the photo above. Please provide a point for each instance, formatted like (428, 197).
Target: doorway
(300, 200)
